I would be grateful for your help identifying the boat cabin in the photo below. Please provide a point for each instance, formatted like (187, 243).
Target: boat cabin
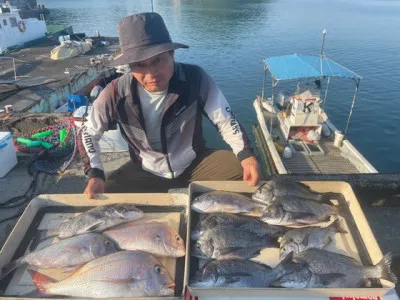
(15, 31)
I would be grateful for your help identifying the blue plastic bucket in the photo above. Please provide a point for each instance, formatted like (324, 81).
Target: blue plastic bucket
(76, 101)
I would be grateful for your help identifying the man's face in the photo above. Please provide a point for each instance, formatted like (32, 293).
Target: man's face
(154, 73)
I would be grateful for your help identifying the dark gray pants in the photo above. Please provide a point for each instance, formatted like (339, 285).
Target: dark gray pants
(210, 165)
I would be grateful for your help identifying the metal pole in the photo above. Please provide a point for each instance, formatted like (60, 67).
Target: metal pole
(326, 91)
(272, 91)
(352, 105)
(263, 84)
(15, 70)
(274, 84)
(323, 43)
(152, 6)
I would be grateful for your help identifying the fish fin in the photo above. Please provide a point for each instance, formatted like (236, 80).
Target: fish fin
(299, 216)
(328, 279)
(225, 251)
(8, 268)
(306, 188)
(40, 280)
(288, 258)
(46, 234)
(305, 241)
(256, 212)
(312, 219)
(327, 197)
(235, 277)
(277, 283)
(365, 283)
(35, 294)
(232, 279)
(95, 226)
(118, 281)
(71, 269)
(239, 274)
(384, 266)
(338, 226)
(263, 264)
(240, 253)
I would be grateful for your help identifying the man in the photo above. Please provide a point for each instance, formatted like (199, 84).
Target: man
(159, 108)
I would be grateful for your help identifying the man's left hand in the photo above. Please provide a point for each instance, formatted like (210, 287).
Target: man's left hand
(251, 170)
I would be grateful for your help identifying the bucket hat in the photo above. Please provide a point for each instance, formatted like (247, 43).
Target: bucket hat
(142, 36)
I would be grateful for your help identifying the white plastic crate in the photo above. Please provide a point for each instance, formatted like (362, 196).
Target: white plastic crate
(8, 157)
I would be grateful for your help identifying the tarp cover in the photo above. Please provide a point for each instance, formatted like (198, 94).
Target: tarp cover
(303, 66)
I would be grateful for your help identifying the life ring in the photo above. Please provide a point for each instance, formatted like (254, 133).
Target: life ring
(21, 26)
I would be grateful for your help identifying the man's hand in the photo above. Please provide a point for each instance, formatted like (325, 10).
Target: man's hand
(251, 171)
(94, 186)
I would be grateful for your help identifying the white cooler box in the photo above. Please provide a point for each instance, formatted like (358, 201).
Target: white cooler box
(8, 157)
(111, 141)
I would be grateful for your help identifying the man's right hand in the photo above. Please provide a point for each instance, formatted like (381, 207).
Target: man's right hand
(94, 186)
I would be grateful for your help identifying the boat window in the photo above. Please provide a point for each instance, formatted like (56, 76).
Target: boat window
(5, 22)
(13, 22)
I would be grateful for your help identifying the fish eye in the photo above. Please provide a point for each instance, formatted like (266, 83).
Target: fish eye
(178, 238)
(157, 269)
(107, 243)
(284, 249)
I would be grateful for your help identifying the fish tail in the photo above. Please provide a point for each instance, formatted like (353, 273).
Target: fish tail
(384, 268)
(40, 280)
(8, 268)
(332, 209)
(271, 242)
(327, 197)
(338, 226)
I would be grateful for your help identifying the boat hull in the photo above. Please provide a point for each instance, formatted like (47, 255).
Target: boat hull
(344, 160)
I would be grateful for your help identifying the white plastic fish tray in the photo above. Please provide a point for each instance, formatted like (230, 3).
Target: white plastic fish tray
(359, 243)
(47, 211)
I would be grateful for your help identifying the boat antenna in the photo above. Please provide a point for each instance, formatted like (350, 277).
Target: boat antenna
(323, 43)
(152, 6)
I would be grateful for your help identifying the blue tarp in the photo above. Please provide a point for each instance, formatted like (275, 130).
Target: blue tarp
(304, 66)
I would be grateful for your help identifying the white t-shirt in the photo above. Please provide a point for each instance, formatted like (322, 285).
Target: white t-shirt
(153, 105)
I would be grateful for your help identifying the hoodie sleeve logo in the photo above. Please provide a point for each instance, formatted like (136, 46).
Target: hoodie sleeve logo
(87, 140)
(233, 121)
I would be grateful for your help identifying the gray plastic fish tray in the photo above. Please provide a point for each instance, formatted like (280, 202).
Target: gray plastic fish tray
(48, 211)
(358, 243)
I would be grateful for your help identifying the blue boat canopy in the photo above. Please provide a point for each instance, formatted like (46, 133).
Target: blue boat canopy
(303, 66)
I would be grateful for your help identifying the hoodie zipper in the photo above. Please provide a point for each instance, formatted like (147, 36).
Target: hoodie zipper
(170, 98)
(165, 148)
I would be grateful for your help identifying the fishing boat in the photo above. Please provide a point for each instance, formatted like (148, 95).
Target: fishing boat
(294, 133)
(15, 31)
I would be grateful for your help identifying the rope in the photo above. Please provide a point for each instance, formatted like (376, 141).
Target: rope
(25, 197)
